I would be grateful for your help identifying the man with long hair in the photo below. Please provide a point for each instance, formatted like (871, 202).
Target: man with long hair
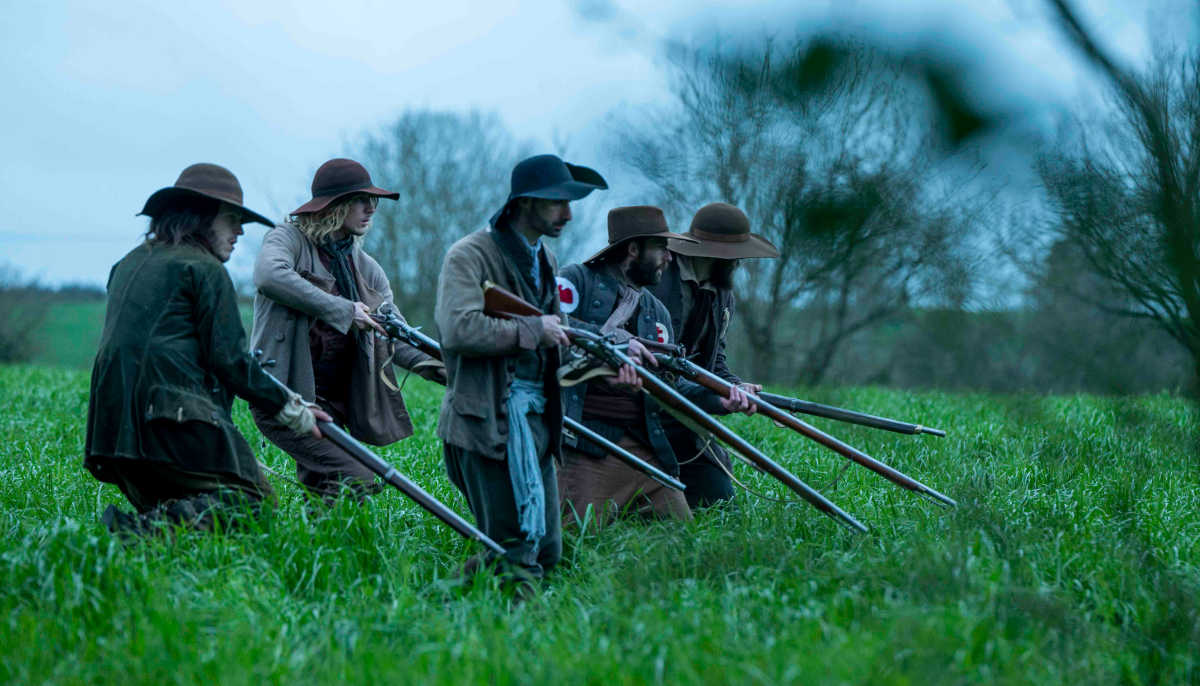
(172, 356)
(697, 289)
(317, 289)
(609, 294)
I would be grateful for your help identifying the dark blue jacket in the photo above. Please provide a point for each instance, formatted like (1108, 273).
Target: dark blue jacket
(588, 295)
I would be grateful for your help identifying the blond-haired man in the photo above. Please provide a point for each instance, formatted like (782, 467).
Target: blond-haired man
(316, 290)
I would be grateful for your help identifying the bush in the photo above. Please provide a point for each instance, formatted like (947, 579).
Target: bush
(22, 311)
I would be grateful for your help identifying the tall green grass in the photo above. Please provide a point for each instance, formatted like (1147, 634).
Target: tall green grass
(1073, 558)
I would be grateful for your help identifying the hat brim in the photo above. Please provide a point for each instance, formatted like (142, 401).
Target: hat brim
(753, 247)
(163, 196)
(673, 239)
(322, 201)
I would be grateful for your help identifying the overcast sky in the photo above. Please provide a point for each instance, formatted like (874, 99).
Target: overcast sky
(107, 102)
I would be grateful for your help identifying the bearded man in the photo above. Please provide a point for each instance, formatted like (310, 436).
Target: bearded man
(608, 294)
(501, 418)
(172, 357)
(697, 289)
(317, 289)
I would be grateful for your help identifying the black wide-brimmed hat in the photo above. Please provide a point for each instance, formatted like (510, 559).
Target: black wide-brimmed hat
(337, 178)
(206, 181)
(637, 221)
(723, 231)
(548, 177)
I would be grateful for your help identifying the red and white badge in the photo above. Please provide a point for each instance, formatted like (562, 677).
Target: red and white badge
(568, 295)
(660, 333)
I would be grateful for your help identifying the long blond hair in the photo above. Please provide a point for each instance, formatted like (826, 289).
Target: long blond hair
(317, 226)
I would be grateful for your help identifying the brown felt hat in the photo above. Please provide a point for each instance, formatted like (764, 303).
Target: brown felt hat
(337, 178)
(208, 181)
(638, 221)
(723, 231)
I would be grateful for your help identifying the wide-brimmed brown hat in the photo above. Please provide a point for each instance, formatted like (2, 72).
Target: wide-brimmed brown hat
(637, 221)
(208, 181)
(723, 231)
(337, 178)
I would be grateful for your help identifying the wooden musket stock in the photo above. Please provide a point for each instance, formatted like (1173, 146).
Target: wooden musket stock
(501, 303)
(398, 329)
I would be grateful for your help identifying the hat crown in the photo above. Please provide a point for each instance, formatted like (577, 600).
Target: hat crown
(633, 221)
(538, 172)
(721, 221)
(212, 180)
(340, 175)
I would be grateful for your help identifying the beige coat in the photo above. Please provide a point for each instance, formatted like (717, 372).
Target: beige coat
(294, 290)
(478, 349)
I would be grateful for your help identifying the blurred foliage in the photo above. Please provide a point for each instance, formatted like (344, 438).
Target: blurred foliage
(1126, 196)
(831, 148)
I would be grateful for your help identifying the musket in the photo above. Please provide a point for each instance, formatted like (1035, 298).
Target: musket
(696, 373)
(399, 329)
(850, 416)
(499, 302)
(393, 476)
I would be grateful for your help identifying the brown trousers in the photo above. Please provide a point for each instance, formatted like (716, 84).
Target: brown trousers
(321, 467)
(611, 487)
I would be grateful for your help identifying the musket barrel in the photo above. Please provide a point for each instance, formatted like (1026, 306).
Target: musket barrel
(501, 303)
(719, 385)
(405, 485)
(667, 395)
(850, 416)
(396, 479)
(399, 329)
(617, 451)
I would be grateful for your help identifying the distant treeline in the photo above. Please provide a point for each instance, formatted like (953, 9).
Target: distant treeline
(1053, 351)
(1065, 349)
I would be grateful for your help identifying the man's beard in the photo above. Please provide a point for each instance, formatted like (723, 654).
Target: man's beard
(544, 227)
(644, 271)
(722, 273)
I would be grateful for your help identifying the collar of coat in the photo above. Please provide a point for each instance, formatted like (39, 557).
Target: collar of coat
(686, 273)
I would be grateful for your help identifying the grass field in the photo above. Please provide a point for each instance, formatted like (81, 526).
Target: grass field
(1074, 557)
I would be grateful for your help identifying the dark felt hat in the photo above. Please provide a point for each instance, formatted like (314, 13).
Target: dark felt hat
(207, 181)
(337, 178)
(637, 221)
(548, 177)
(723, 231)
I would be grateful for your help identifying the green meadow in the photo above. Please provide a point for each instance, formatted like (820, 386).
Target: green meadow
(1073, 557)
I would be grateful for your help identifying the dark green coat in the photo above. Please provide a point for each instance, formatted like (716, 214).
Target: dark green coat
(173, 351)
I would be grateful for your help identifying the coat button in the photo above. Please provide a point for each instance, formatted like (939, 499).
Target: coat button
(595, 303)
(279, 337)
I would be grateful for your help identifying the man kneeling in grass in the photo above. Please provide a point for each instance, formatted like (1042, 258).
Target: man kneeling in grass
(172, 356)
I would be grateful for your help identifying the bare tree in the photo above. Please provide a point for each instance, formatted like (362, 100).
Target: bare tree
(837, 170)
(452, 172)
(1129, 200)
